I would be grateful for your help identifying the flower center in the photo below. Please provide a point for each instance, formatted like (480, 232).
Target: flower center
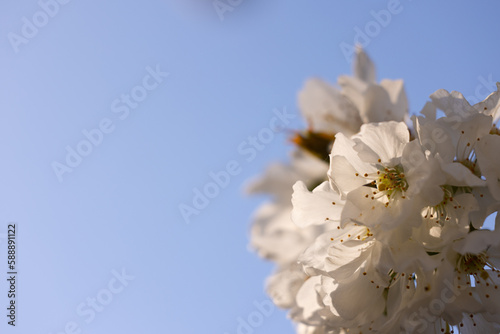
(392, 181)
(474, 265)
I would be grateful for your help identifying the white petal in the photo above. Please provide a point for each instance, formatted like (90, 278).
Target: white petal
(357, 298)
(364, 68)
(378, 106)
(345, 164)
(424, 175)
(453, 104)
(274, 236)
(397, 95)
(490, 105)
(308, 299)
(460, 176)
(344, 176)
(283, 286)
(317, 207)
(476, 242)
(429, 111)
(435, 137)
(326, 109)
(488, 154)
(355, 89)
(385, 141)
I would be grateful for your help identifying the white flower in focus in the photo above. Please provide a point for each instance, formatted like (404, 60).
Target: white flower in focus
(382, 182)
(366, 277)
(353, 282)
(466, 285)
(455, 147)
(474, 133)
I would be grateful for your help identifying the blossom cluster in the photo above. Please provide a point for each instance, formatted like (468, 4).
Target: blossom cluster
(376, 225)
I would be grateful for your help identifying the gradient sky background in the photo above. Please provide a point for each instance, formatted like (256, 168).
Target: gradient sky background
(120, 207)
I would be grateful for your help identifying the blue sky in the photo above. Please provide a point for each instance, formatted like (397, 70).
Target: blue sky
(116, 213)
